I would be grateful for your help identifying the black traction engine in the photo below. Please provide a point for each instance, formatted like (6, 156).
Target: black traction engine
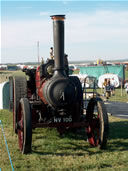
(49, 97)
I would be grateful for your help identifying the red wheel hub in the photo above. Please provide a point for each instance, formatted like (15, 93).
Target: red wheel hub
(93, 132)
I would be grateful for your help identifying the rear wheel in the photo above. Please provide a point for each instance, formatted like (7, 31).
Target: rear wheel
(19, 91)
(24, 126)
(97, 119)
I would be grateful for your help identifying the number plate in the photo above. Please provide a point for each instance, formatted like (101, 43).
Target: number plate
(62, 119)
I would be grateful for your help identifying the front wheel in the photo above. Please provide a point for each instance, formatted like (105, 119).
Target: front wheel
(97, 119)
(24, 126)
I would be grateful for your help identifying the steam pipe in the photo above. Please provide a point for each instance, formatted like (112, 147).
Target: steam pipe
(58, 37)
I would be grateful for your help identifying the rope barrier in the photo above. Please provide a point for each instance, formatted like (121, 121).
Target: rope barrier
(6, 146)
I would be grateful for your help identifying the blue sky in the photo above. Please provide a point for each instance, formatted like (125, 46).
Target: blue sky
(93, 29)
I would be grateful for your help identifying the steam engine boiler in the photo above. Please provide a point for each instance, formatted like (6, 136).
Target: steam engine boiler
(52, 98)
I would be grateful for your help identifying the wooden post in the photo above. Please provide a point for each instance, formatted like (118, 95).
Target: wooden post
(121, 88)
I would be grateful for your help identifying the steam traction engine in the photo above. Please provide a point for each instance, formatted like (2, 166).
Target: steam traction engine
(52, 98)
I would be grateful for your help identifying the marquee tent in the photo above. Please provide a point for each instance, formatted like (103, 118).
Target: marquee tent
(97, 71)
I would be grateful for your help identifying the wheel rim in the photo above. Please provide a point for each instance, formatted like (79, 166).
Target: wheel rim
(24, 126)
(20, 128)
(94, 127)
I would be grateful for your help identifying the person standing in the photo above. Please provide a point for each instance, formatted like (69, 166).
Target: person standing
(104, 86)
(113, 85)
(126, 87)
(108, 89)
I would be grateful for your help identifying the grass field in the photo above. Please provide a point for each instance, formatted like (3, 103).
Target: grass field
(51, 152)
(4, 75)
(126, 75)
(69, 152)
(120, 95)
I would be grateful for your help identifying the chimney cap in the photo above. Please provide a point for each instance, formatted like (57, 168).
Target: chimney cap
(57, 17)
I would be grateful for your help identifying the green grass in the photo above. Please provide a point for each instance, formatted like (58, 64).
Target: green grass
(4, 75)
(120, 95)
(68, 152)
(126, 74)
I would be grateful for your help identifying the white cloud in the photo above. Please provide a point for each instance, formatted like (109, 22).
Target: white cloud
(80, 28)
(25, 33)
(101, 26)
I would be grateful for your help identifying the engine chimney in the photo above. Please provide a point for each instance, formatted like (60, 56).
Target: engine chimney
(58, 36)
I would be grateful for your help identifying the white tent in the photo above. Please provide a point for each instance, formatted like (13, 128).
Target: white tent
(4, 95)
(114, 80)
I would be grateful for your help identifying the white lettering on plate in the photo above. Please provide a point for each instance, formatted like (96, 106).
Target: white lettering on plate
(67, 119)
(57, 119)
